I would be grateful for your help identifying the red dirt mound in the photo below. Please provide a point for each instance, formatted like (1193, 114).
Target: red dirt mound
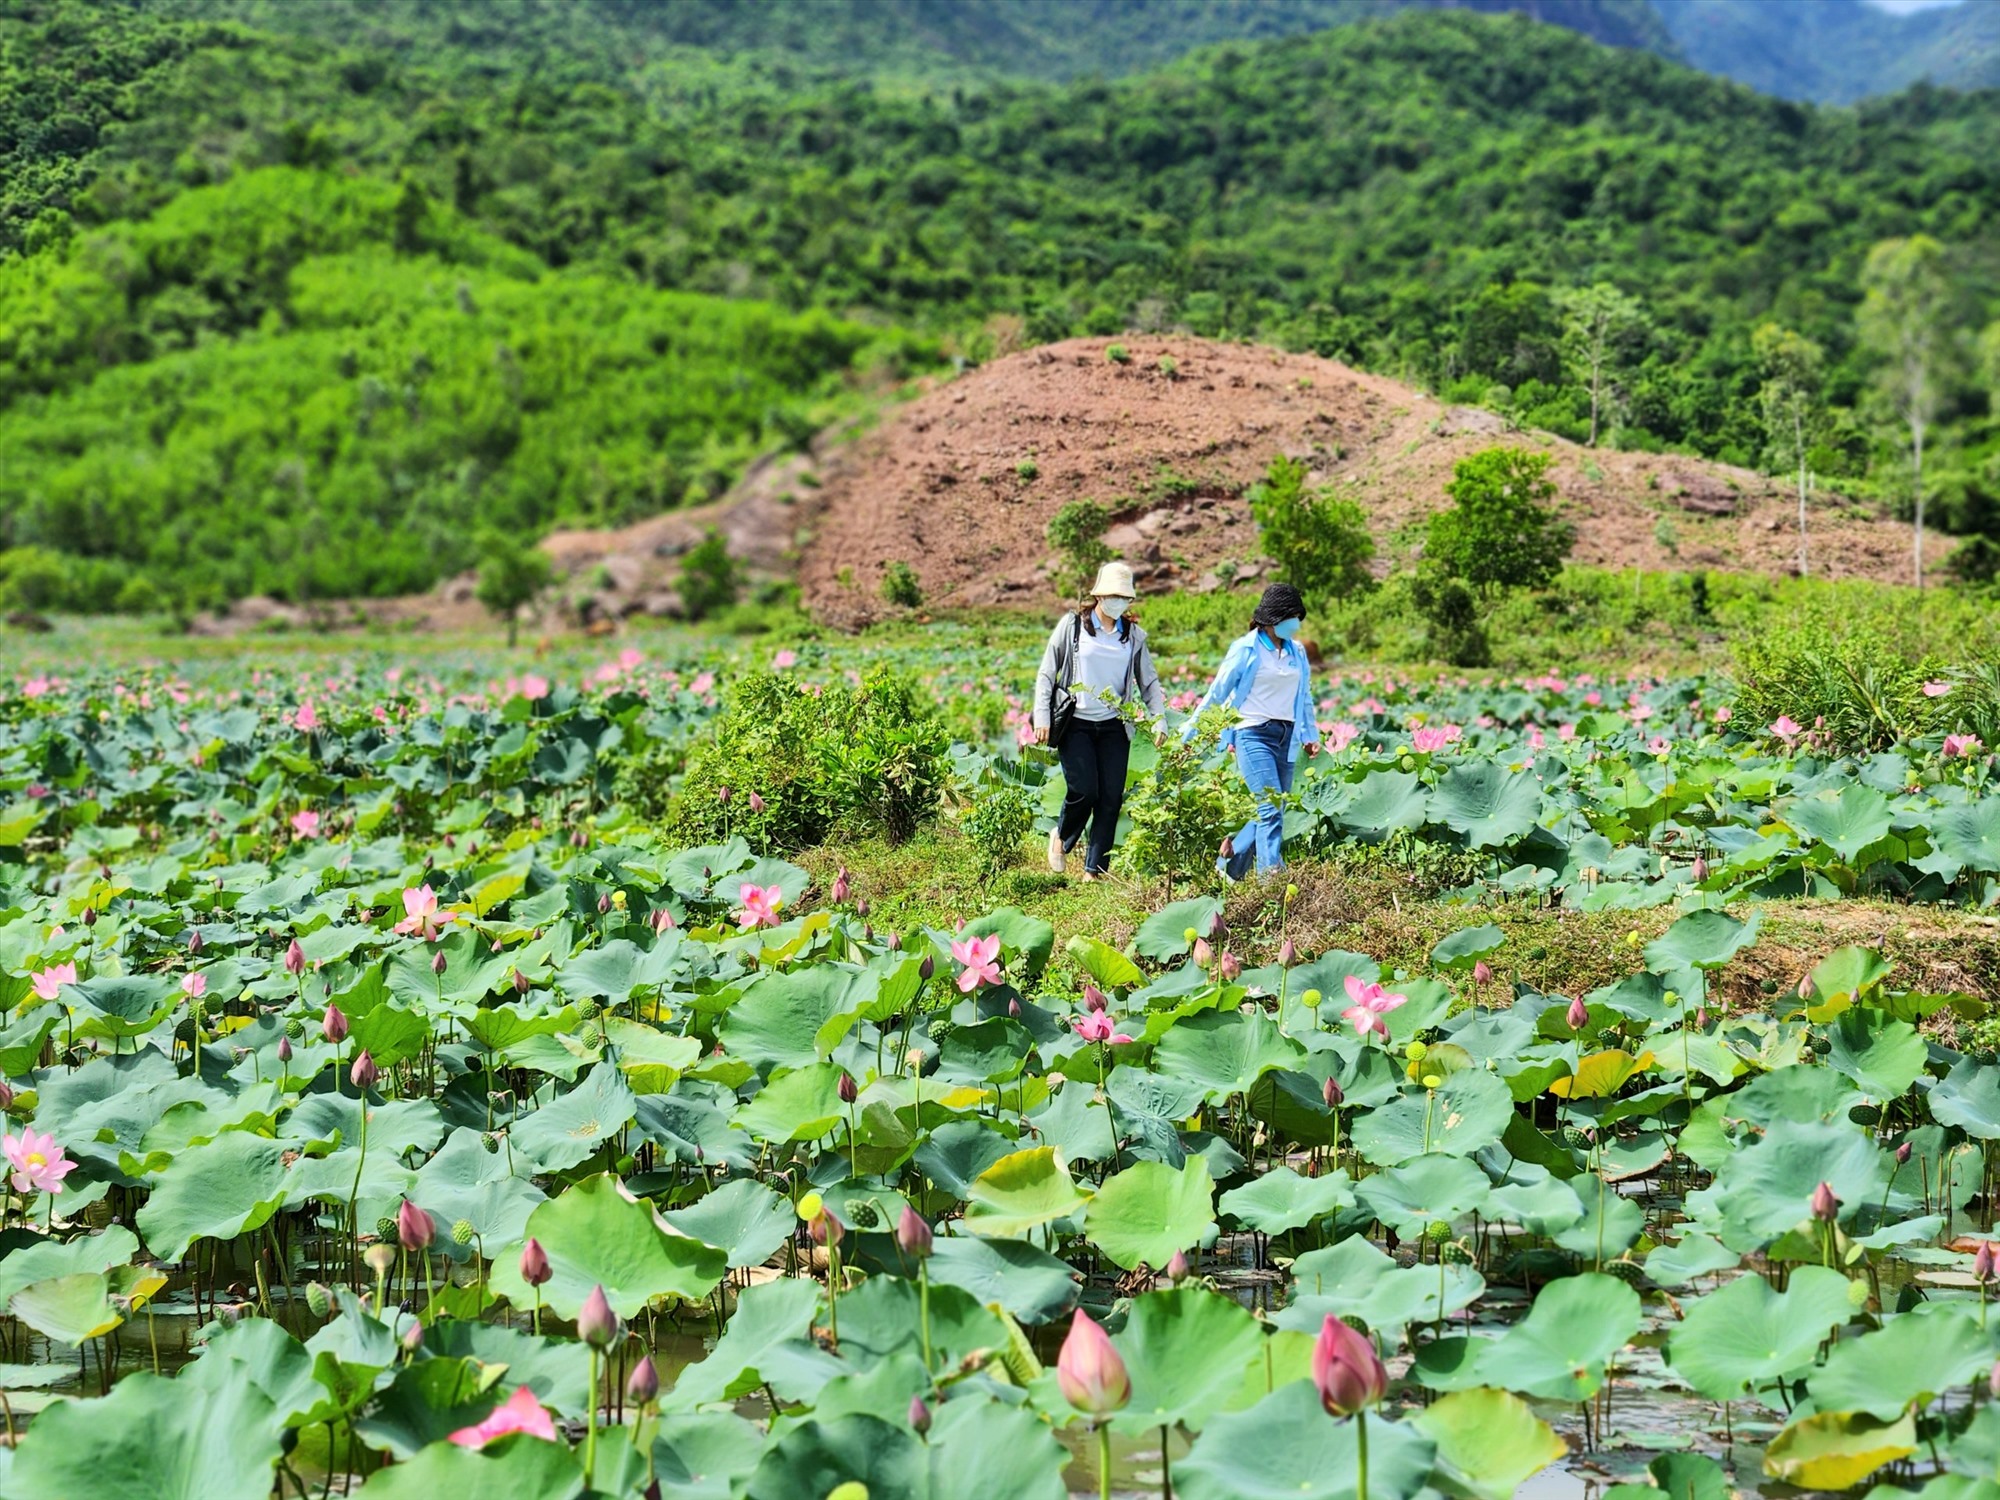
(961, 482)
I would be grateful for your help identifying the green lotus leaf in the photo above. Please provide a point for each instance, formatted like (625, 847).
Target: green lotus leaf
(795, 1106)
(1744, 1335)
(1462, 949)
(1701, 940)
(514, 1468)
(596, 1236)
(1224, 1053)
(228, 1187)
(1833, 1451)
(1488, 802)
(1882, 1055)
(796, 1017)
(1411, 1197)
(765, 1342)
(1022, 1192)
(68, 1309)
(1465, 1113)
(1142, 1215)
(151, 1439)
(1186, 1351)
(1969, 1097)
(1287, 1448)
(1488, 1442)
(1767, 1187)
(1354, 1279)
(702, 1456)
(1032, 1285)
(1846, 821)
(576, 1125)
(742, 1218)
(427, 1402)
(1557, 1352)
(1163, 936)
(1692, 1255)
(985, 1449)
(815, 1458)
(556, 1370)
(1111, 969)
(1910, 1360)
(1280, 1199)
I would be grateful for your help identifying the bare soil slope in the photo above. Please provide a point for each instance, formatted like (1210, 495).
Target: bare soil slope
(961, 482)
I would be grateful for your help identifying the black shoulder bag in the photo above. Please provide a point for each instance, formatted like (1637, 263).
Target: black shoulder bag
(1062, 701)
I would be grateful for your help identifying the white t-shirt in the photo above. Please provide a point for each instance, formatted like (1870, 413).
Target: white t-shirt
(1274, 691)
(1102, 661)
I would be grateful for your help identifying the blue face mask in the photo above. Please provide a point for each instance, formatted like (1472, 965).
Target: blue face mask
(1284, 630)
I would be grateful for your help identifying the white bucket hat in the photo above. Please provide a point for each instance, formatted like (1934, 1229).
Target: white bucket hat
(1114, 581)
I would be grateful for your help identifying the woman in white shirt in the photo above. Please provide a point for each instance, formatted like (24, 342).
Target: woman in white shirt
(1096, 662)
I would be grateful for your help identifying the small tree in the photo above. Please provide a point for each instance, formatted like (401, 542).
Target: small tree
(710, 578)
(1794, 379)
(1077, 533)
(1597, 323)
(1903, 321)
(1499, 532)
(1319, 542)
(511, 574)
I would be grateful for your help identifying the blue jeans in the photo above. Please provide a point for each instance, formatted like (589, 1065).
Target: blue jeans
(1262, 755)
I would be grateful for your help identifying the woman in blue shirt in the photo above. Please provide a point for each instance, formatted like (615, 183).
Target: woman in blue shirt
(1265, 677)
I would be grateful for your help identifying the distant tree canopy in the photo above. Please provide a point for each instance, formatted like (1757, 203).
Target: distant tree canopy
(297, 313)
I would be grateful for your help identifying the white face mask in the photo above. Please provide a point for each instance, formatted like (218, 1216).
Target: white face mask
(1113, 608)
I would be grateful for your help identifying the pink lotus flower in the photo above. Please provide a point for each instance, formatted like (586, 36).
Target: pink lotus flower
(1371, 1004)
(785, 659)
(980, 956)
(1785, 727)
(194, 986)
(1347, 1370)
(38, 1162)
(1936, 689)
(760, 905)
(1428, 740)
(1565, 732)
(1097, 1026)
(1724, 714)
(1340, 735)
(49, 981)
(421, 914)
(520, 1412)
(1961, 744)
(306, 720)
(1089, 1370)
(305, 824)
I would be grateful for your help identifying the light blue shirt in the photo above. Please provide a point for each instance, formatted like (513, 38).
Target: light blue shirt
(1237, 675)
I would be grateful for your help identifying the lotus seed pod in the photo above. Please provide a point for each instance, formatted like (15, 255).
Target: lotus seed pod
(1455, 1254)
(318, 1299)
(852, 1489)
(1536, 955)
(591, 1037)
(184, 1031)
(1628, 1271)
(1437, 1231)
(1416, 1051)
(1310, 998)
(588, 1009)
(295, 1029)
(491, 1142)
(385, 1227)
(462, 1232)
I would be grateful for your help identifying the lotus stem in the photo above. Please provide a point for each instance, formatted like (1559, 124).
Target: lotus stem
(590, 1430)
(924, 1311)
(1361, 1455)
(1104, 1462)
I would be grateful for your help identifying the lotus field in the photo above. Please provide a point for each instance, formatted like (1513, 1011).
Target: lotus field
(393, 1109)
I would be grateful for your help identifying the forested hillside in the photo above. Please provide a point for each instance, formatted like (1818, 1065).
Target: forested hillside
(288, 278)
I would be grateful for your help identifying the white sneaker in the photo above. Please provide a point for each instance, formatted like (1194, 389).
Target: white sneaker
(1057, 859)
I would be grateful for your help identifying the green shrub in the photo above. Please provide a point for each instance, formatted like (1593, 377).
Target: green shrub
(1320, 542)
(1077, 533)
(1000, 818)
(710, 578)
(1027, 469)
(1498, 531)
(511, 574)
(1451, 612)
(1118, 354)
(857, 761)
(1848, 685)
(1182, 807)
(900, 586)
(33, 579)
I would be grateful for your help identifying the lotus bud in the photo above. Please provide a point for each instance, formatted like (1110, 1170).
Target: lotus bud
(284, 1049)
(520, 983)
(861, 907)
(1347, 1370)
(1203, 954)
(1330, 1093)
(1481, 974)
(1228, 966)
(1805, 987)
(333, 1025)
(913, 1234)
(722, 795)
(462, 1233)
(927, 968)
(1982, 1261)
(1178, 1269)
(382, 1258)
(642, 1386)
(1288, 953)
(535, 1268)
(414, 1228)
(295, 959)
(756, 803)
(1089, 1371)
(437, 963)
(1993, 1382)
(920, 1416)
(841, 890)
(90, 916)
(895, 942)
(1825, 1207)
(597, 1324)
(195, 944)
(1701, 1018)
(1014, 1007)
(846, 1089)
(1903, 1154)
(1093, 998)
(822, 1228)
(364, 1073)
(413, 1338)
(1579, 1014)
(1700, 870)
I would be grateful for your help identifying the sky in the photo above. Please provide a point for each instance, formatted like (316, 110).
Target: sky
(1909, 5)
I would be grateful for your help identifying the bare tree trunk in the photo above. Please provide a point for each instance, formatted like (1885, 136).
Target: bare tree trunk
(1596, 386)
(1799, 447)
(1917, 467)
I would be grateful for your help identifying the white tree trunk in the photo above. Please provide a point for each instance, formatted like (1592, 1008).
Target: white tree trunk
(1799, 447)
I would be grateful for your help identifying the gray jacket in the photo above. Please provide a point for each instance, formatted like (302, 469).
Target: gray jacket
(1141, 680)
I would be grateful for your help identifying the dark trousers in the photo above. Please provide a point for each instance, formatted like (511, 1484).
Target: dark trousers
(1094, 756)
